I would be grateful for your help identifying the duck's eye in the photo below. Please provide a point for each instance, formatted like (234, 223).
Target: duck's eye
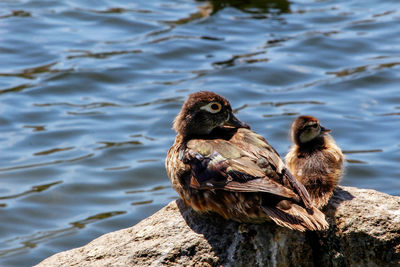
(215, 106)
(314, 125)
(212, 107)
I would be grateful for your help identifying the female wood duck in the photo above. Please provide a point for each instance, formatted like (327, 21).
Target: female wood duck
(315, 159)
(217, 164)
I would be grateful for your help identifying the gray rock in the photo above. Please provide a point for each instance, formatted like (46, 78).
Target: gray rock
(364, 231)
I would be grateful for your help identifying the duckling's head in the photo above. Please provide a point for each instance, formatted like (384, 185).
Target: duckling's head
(306, 129)
(204, 111)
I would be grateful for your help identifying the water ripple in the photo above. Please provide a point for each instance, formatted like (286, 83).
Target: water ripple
(100, 55)
(94, 218)
(237, 59)
(53, 150)
(118, 144)
(363, 69)
(362, 151)
(31, 73)
(36, 128)
(41, 164)
(154, 189)
(31, 241)
(34, 189)
(17, 88)
(16, 13)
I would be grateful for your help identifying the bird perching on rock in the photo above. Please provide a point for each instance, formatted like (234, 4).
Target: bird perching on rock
(217, 164)
(315, 159)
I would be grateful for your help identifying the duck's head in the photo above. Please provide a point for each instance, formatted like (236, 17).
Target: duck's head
(204, 111)
(306, 129)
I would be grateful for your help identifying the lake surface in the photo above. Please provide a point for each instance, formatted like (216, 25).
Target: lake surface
(88, 91)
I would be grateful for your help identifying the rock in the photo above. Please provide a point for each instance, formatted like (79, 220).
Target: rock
(364, 231)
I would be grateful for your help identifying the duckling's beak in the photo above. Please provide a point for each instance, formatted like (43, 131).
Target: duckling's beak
(234, 122)
(325, 130)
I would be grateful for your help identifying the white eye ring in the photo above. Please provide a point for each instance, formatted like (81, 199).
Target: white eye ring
(212, 107)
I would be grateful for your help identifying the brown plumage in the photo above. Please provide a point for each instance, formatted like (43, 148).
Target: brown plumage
(315, 159)
(217, 164)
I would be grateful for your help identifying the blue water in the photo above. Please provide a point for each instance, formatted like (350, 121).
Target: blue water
(88, 91)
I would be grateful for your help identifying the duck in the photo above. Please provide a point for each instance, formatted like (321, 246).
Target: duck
(315, 159)
(217, 164)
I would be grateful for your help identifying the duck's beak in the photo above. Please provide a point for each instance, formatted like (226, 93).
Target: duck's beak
(234, 122)
(325, 130)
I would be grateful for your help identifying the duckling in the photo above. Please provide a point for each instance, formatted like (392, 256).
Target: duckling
(315, 159)
(217, 164)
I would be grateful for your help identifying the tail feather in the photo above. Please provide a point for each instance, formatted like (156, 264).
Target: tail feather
(297, 218)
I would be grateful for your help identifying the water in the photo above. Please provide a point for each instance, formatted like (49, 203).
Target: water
(88, 90)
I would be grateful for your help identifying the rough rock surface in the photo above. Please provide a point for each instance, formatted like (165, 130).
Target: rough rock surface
(364, 231)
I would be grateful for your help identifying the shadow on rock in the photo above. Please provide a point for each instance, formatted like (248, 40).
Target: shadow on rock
(340, 195)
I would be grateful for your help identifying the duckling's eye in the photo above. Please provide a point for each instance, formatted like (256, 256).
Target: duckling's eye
(212, 107)
(314, 125)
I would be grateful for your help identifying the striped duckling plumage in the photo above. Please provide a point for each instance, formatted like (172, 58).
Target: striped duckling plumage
(315, 159)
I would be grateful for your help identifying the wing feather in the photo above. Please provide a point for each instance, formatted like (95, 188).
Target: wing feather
(262, 149)
(229, 169)
(261, 185)
(298, 187)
